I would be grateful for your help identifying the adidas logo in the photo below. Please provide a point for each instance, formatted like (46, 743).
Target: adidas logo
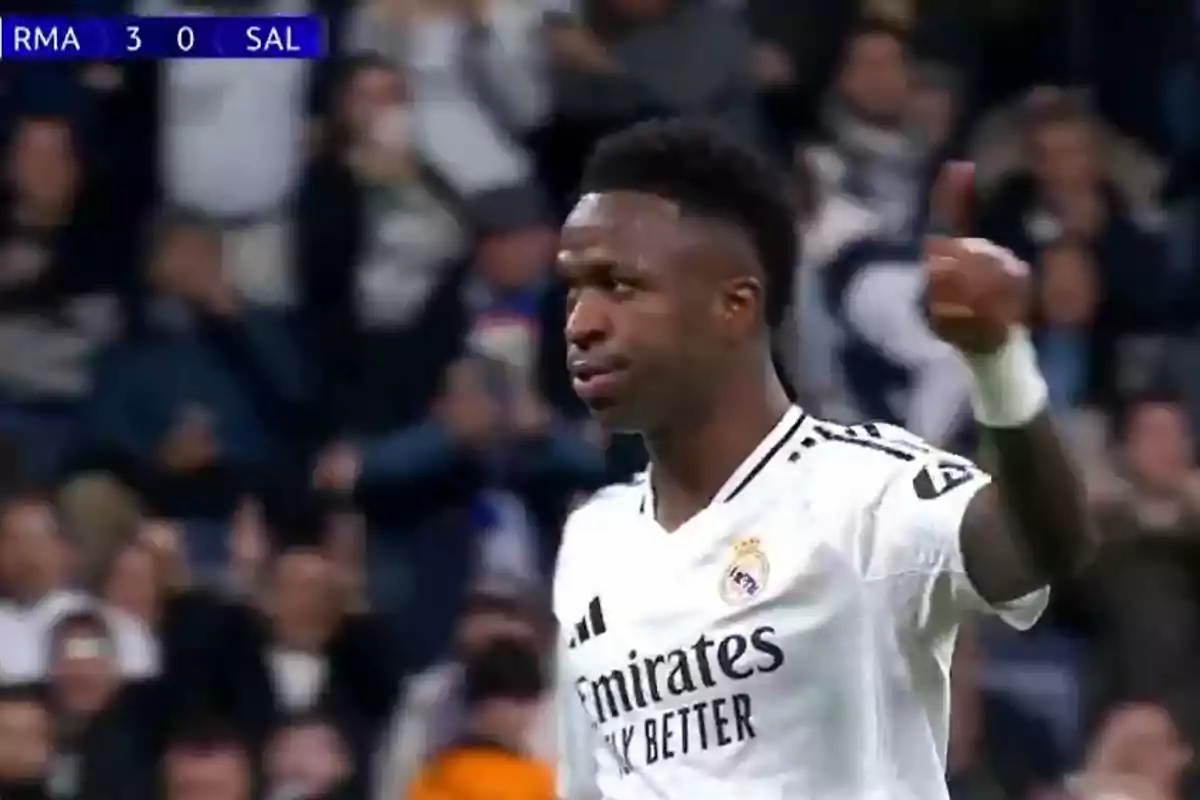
(590, 626)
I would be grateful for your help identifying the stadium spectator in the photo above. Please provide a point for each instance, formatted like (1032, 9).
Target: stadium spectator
(431, 714)
(308, 760)
(1137, 755)
(883, 158)
(477, 78)
(502, 684)
(193, 443)
(102, 741)
(1066, 311)
(35, 562)
(133, 584)
(66, 262)
(1150, 564)
(207, 761)
(25, 745)
(619, 60)
(1072, 191)
(474, 484)
(304, 653)
(502, 298)
(100, 514)
(380, 246)
(233, 139)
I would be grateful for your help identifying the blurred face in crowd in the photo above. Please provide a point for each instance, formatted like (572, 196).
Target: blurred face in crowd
(469, 404)
(24, 740)
(874, 78)
(309, 759)
(372, 91)
(1159, 446)
(1068, 286)
(1142, 741)
(188, 258)
(933, 109)
(1064, 155)
(33, 555)
(517, 259)
(376, 118)
(219, 773)
(43, 169)
(83, 671)
(132, 584)
(302, 601)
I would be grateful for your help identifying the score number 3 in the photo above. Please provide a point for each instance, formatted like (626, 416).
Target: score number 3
(185, 38)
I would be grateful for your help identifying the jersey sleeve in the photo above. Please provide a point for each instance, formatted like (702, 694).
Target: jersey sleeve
(576, 770)
(918, 549)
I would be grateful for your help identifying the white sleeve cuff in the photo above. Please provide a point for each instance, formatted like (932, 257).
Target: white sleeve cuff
(1009, 389)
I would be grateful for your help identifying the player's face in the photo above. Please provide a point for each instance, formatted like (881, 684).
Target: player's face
(639, 310)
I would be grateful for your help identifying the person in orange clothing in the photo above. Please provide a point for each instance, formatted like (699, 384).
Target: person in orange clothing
(503, 685)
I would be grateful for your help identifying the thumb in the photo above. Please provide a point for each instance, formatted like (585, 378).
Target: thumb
(951, 199)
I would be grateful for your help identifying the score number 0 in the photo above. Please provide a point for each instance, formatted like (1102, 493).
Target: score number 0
(185, 38)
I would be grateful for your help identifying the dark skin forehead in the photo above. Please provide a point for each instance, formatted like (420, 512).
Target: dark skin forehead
(643, 232)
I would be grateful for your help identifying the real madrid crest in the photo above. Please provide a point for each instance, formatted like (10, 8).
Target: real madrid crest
(745, 577)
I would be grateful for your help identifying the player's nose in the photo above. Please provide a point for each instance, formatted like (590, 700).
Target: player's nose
(589, 322)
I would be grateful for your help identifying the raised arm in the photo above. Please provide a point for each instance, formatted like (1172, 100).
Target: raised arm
(1030, 526)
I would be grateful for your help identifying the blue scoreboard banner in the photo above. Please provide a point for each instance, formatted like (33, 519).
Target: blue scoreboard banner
(132, 38)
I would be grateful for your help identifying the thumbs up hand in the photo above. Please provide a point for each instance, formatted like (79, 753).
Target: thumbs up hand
(977, 292)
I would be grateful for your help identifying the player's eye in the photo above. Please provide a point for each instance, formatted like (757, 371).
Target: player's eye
(622, 288)
(617, 287)
(610, 286)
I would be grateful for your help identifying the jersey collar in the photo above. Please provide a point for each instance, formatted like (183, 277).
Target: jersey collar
(783, 432)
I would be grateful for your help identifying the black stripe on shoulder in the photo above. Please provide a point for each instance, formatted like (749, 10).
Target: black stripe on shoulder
(873, 440)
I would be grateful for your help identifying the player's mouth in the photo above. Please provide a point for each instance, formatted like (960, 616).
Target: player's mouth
(596, 380)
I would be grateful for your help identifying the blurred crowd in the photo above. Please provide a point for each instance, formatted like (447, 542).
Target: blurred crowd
(285, 435)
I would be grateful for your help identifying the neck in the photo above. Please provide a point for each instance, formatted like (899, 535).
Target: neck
(503, 722)
(693, 459)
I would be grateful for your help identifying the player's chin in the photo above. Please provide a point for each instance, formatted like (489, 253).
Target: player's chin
(616, 418)
(610, 402)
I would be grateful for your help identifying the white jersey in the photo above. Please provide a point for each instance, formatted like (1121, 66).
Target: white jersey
(792, 640)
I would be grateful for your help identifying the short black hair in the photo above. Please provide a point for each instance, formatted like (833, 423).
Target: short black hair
(505, 669)
(350, 67)
(1056, 108)
(329, 92)
(205, 733)
(709, 173)
(308, 718)
(878, 25)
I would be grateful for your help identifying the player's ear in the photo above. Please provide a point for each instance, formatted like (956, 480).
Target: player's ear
(741, 303)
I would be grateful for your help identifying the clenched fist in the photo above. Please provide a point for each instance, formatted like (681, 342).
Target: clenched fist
(976, 291)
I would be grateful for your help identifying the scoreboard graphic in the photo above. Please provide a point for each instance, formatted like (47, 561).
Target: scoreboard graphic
(39, 38)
